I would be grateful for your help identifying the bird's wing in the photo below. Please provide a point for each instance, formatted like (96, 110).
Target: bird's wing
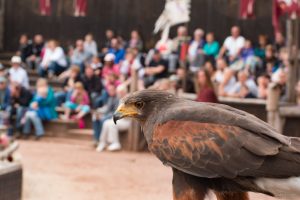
(210, 150)
(221, 144)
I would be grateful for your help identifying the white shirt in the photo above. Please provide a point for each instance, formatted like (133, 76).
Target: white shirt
(234, 45)
(57, 55)
(251, 85)
(91, 48)
(219, 77)
(19, 75)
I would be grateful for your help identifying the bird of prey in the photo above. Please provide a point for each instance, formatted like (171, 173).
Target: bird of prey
(213, 147)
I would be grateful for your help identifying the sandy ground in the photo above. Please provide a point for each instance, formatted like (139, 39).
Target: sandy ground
(73, 171)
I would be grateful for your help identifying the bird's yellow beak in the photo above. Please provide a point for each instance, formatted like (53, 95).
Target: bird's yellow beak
(125, 111)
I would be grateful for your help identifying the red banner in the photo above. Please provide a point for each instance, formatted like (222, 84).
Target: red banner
(45, 7)
(247, 9)
(80, 8)
(281, 7)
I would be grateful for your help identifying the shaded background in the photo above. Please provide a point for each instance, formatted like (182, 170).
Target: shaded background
(22, 16)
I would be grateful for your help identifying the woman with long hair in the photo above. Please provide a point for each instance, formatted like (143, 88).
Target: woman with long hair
(205, 88)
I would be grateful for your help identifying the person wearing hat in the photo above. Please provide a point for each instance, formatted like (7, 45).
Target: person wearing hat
(110, 66)
(17, 73)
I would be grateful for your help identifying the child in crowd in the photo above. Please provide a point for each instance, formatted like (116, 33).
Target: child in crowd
(79, 102)
(42, 108)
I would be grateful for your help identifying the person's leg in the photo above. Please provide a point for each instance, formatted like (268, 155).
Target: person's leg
(19, 115)
(37, 123)
(69, 107)
(83, 111)
(27, 125)
(42, 72)
(96, 127)
(103, 137)
(60, 97)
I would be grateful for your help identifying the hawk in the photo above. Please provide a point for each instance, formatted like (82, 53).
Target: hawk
(215, 147)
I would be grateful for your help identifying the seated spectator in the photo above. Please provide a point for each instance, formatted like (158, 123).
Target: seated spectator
(183, 82)
(245, 87)
(260, 50)
(96, 65)
(90, 45)
(263, 83)
(210, 68)
(33, 61)
(109, 136)
(42, 108)
(93, 85)
(270, 63)
(135, 41)
(109, 66)
(80, 55)
(68, 85)
(109, 34)
(224, 77)
(211, 47)
(25, 47)
(179, 49)
(131, 61)
(20, 99)
(17, 73)
(78, 103)
(247, 59)
(196, 55)
(205, 88)
(233, 45)
(105, 112)
(117, 50)
(157, 69)
(54, 60)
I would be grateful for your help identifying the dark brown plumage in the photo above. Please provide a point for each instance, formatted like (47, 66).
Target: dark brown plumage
(212, 146)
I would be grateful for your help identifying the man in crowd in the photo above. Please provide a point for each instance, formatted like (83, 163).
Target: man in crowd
(233, 45)
(157, 69)
(17, 73)
(25, 47)
(117, 50)
(34, 59)
(80, 55)
(94, 87)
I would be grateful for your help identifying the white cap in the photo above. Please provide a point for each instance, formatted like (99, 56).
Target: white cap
(16, 59)
(109, 57)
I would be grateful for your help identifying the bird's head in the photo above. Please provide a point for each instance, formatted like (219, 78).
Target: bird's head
(140, 105)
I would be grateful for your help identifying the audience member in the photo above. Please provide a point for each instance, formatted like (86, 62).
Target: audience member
(196, 55)
(25, 47)
(117, 50)
(105, 112)
(157, 69)
(94, 87)
(205, 88)
(233, 45)
(135, 41)
(42, 108)
(54, 60)
(109, 136)
(211, 48)
(78, 103)
(90, 45)
(34, 59)
(17, 73)
(80, 56)
(20, 99)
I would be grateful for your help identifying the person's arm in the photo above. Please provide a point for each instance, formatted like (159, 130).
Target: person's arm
(227, 76)
(154, 70)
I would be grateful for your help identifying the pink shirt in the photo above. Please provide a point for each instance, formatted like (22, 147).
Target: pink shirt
(107, 70)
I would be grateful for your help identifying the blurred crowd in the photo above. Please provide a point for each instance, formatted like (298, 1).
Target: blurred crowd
(96, 75)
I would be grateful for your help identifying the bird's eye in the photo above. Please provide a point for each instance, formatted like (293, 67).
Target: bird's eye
(139, 104)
